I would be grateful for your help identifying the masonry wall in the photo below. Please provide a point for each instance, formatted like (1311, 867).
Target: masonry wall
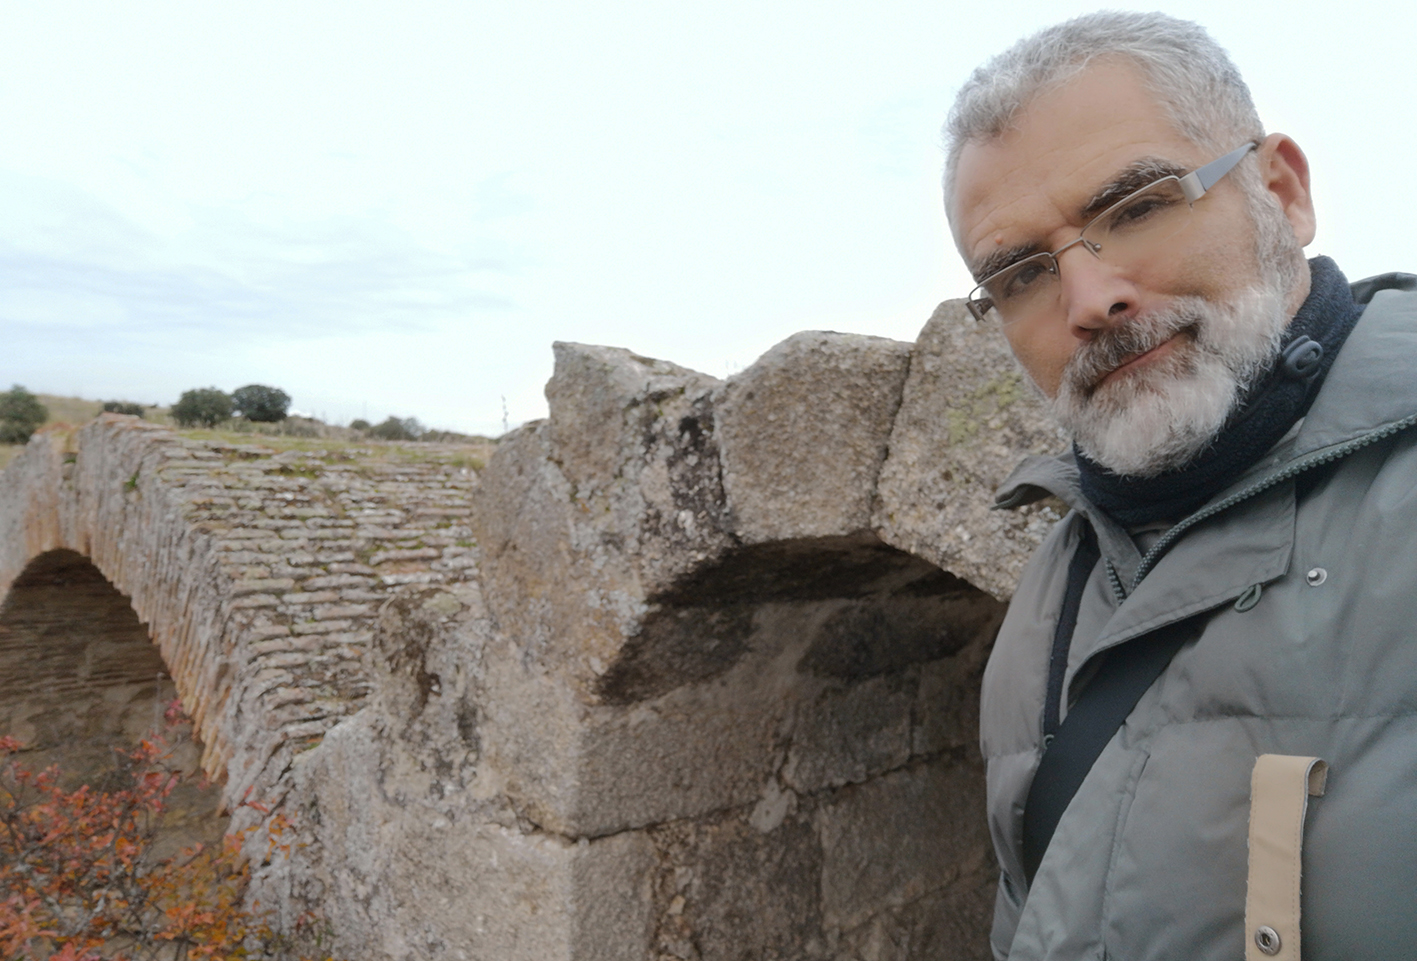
(257, 572)
(688, 671)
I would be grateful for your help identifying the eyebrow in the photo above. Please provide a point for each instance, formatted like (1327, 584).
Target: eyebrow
(1126, 181)
(1000, 259)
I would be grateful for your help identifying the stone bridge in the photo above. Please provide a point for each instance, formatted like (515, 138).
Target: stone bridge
(688, 670)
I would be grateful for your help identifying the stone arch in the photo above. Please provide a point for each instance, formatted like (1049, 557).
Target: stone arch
(99, 494)
(874, 610)
(258, 571)
(835, 679)
(81, 683)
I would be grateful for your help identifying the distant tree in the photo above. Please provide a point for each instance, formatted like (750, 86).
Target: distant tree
(359, 423)
(261, 403)
(21, 413)
(398, 428)
(202, 406)
(122, 407)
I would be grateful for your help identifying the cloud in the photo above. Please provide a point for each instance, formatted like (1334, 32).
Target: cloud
(71, 265)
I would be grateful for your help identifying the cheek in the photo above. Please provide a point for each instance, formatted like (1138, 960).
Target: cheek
(1218, 258)
(1042, 353)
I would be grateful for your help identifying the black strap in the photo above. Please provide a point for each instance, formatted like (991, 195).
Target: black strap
(1126, 674)
(1085, 558)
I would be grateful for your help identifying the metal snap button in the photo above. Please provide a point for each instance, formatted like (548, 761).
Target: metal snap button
(1316, 576)
(1267, 939)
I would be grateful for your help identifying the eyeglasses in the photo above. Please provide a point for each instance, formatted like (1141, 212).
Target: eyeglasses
(1131, 230)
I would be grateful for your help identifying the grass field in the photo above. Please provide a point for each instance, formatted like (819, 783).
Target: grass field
(296, 434)
(76, 410)
(73, 411)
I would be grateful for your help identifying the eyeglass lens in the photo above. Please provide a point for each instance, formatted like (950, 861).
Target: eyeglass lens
(1134, 229)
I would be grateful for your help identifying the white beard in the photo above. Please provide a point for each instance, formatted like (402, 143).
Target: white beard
(1157, 418)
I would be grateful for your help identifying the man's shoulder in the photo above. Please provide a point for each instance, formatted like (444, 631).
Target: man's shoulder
(1038, 476)
(1365, 289)
(1370, 387)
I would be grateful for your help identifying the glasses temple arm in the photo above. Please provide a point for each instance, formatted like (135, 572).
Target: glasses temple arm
(1198, 181)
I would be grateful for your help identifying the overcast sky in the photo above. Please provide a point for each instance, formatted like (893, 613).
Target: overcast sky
(396, 208)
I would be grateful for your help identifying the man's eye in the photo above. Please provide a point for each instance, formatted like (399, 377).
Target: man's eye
(1140, 211)
(1021, 280)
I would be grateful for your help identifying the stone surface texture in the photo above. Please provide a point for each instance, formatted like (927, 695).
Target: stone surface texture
(804, 431)
(258, 573)
(688, 671)
(968, 416)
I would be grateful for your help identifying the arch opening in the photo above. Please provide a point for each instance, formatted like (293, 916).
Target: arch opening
(796, 729)
(884, 610)
(82, 684)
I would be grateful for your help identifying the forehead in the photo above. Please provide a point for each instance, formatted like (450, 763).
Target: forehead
(1033, 180)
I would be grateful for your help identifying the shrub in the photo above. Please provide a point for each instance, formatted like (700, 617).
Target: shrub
(261, 403)
(395, 428)
(21, 413)
(122, 407)
(359, 423)
(202, 407)
(453, 437)
(78, 871)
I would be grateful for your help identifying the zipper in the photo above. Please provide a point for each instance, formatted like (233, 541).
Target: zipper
(1114, 580)
(1316, 459)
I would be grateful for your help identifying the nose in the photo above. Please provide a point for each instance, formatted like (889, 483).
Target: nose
(1095, 294)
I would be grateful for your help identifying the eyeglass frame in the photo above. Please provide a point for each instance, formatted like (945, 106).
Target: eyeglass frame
(1193, 187)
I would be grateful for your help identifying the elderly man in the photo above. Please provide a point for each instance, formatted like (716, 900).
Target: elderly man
(1229, 612)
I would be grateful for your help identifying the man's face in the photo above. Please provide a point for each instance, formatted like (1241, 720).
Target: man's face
(1125, 349)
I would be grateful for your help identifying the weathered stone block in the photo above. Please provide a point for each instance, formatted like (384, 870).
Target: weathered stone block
(804, 431)
(947, 708)
(725, 890)
(590, 546)
(946, 925)
(969, 415)
(419, 853)
(897, 838)
(850, 732)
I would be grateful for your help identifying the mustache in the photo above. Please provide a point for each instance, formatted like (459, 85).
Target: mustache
(1112, 347)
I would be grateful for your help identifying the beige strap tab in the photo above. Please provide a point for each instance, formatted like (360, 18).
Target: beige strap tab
(1279, 798)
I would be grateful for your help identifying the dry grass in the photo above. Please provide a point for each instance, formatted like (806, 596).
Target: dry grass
(333, 442)
(76, 410)
(473, 454)
(73, 411)
(69, 410)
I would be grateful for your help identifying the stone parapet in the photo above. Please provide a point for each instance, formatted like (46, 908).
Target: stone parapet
(688, 671)
(700, 660)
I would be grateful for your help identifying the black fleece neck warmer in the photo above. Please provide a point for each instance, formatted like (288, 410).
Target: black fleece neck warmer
(1272, 406)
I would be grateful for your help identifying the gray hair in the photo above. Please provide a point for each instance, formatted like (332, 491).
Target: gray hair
(1184, 68)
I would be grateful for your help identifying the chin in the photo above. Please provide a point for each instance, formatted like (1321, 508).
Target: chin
(1148, 423)
(1160, 415)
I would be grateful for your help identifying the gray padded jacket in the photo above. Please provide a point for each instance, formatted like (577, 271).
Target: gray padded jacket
(1149, 860)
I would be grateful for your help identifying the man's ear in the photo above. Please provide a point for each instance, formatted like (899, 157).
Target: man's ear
(1286, 175)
